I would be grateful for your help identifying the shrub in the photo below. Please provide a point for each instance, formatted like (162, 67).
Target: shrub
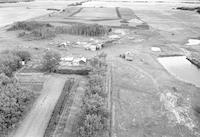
(23, 55)
(96, 86)
(9, 63)
(96, 80)
(91, 126)
(98, 62)
(50, 61)
(4, 80)
(98, 89)
(93, 120)
(94, 104)
(6, 70)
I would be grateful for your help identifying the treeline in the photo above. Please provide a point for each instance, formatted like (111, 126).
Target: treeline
(94, 116)
(14, 100)
(13, 103)
(34, 30)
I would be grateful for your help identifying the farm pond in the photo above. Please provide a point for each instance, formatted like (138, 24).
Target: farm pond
(182, 69)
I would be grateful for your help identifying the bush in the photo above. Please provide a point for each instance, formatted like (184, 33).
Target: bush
(96, 86)
(9, 63)
(98, 89)
(94, 117)
(98, 62)
(4, 80)
(13, 103)
(50, 61)
(96, 80)
(91, 126)
(93, 120)
(23, 55)
(94, 104)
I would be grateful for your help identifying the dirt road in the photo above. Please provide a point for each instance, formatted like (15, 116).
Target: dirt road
(35, 123)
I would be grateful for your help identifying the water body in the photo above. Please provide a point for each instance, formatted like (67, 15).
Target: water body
(13, 12)
(182, 69)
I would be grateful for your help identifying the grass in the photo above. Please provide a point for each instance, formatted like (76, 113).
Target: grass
(33, 30)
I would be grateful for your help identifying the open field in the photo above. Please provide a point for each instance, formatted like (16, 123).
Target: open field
(14, 1)
(144, 99)
(27, 10)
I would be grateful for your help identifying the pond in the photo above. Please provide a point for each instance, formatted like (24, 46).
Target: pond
(182, 69)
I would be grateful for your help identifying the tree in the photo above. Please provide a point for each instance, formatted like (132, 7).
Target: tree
(9, 63)
(50, 61)
(23, 55)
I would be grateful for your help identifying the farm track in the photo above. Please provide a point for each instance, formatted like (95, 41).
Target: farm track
(66, 111)
(59, 108)
(36, 121)
(118, 13)
(76, 12)
(74, 110)
(109, 90)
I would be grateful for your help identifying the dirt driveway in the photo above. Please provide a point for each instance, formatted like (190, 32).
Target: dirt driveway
(35, 123)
